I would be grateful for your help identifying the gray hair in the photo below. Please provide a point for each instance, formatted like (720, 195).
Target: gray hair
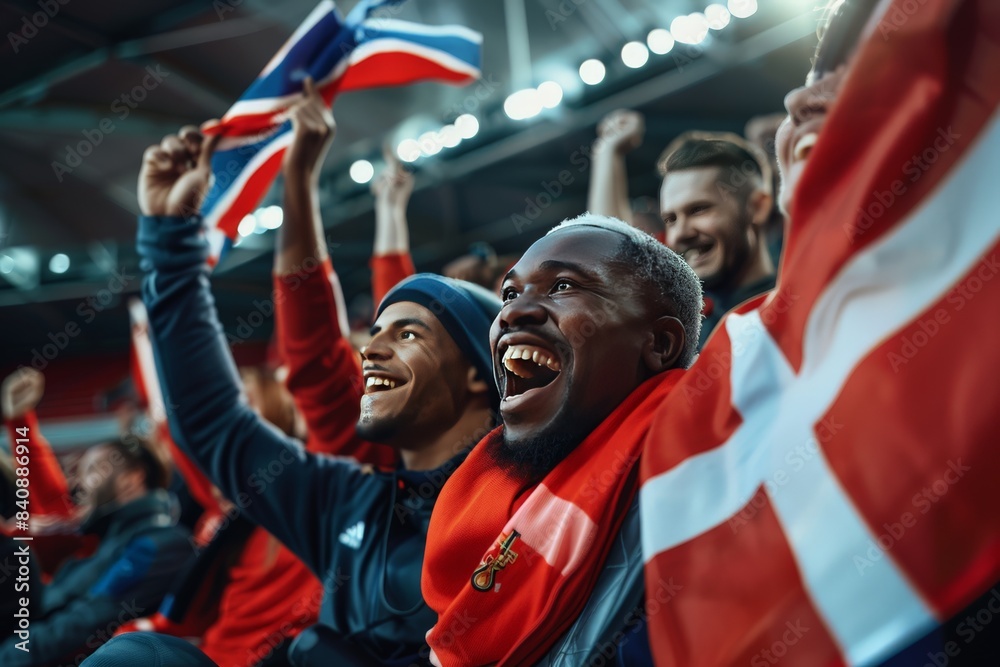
(658, 267)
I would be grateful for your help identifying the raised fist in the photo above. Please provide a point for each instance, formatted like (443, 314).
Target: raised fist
(21, 391)
(175, 173)
(621, 130)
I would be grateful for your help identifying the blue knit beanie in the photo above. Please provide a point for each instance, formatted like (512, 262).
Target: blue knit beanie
(466, 311)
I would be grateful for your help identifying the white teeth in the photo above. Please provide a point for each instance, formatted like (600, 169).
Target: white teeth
(804, 145)
(526, 352)
(376, 381)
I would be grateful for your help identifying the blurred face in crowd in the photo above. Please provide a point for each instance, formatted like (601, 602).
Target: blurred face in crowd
(417, 381)
(808, 107)
(710, 222)
(103, 478)
(571, 342)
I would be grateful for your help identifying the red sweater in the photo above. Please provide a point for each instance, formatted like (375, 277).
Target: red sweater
(324, 371)
(387, 270)
(53, 516)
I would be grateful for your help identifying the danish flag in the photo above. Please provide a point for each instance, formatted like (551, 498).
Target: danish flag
(830, 463)
(368, 49)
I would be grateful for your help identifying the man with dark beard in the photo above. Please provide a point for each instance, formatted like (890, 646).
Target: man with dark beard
(598, 321)
(716, 202)
(121, 492)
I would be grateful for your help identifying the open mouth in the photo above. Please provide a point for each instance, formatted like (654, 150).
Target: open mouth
(379, 383)
(804, 146)
(696, 254)
(528, 367)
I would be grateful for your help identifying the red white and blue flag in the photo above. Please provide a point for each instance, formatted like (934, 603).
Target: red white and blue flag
(144, 376)
(820, 487)
(368, 49)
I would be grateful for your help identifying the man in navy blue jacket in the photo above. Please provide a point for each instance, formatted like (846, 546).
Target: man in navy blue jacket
(428, 392)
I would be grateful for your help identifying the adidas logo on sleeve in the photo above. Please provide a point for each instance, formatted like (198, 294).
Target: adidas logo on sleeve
(353, 535)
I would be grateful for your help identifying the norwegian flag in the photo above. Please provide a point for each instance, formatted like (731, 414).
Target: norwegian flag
(821, 485)
(368, 49)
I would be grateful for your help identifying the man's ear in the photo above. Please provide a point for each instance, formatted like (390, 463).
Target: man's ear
(760, 204)
(476, 384)
(665, 346)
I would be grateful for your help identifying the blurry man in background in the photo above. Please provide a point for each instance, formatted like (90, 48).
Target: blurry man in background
(122, 494)
(716, 201)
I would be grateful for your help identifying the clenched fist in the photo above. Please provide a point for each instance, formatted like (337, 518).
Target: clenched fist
(313, 129)
(21, 391)
(175, 173)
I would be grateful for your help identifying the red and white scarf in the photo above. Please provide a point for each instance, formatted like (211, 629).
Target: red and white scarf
(509, 566)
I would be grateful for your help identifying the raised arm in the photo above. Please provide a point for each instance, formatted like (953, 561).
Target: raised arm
(289, 492)
(324, 376)
(20, 394)
(618, 133)
(391, 261)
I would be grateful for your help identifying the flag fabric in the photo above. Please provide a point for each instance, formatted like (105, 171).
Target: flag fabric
(144, 377)
(365, 50)
(819, 485)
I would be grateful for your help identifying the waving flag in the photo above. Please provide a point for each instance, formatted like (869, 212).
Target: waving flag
(818, 485)
(147, 382)
(365, 50)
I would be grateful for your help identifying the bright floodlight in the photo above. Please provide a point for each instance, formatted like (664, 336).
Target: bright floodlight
(690, 29)
(59, 263)
(408, 150)
(449, 136)
(430, 143)
(592, 72)
(523, 104)
(680, 28)
(635, 54)
(741, 9)
(550, 93)
(467, 125)
(660, 41)
(270, 217)
(247, 225)
(699, 26)
(362, 171)
(6, 264)
(718, 16)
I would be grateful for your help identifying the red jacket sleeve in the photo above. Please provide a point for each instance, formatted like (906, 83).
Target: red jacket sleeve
(387, 271)
(50, 497)
(324, 375)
